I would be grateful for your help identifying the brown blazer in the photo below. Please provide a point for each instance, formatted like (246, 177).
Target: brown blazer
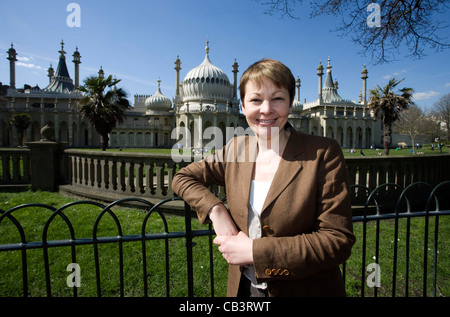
(306, 219)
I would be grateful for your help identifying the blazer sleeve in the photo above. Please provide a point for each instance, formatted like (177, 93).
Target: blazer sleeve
(329, 242)
(191, 183)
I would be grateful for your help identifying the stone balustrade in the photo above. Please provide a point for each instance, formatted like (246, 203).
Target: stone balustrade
(114, 175)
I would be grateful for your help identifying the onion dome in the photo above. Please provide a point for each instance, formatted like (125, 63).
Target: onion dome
(297, 107)
(158, 101)
(206, 81)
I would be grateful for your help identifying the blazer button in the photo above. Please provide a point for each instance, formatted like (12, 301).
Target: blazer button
(266, 227)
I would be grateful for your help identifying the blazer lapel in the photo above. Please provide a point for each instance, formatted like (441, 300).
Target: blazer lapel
(288, 168)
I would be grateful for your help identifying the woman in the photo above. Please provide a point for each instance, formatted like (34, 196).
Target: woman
(288, 225)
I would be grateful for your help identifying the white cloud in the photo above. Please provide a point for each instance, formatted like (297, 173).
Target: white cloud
(447, 85)
(396, 74)
(24, 59)
(424, 95)
(28, 65)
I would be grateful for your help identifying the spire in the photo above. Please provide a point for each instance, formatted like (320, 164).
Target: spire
(329, 77)
(159, 85)
(207, 60)
(62, 52)
(61, 81)
(329, 92)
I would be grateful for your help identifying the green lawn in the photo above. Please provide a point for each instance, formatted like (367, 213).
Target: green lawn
(426, 149)
(83, 217)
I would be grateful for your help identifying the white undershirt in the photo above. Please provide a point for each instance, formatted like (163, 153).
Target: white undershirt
(258, 194)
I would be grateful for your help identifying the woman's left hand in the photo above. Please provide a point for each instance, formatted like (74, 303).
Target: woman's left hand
(237, 250)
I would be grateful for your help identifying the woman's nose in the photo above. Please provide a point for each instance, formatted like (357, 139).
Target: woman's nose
(265, 107)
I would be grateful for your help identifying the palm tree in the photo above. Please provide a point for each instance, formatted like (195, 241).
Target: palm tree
(21, 121)
(389, 106)
(103, 104)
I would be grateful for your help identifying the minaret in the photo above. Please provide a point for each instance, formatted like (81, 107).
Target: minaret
(298, 84)
(177, 68)
(51, 73)
(101, 73)
(12, 66)
(235, 71)
(364, 91)
(320, 74)
(77, 61)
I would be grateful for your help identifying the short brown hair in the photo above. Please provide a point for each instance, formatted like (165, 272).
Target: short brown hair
(271, 69)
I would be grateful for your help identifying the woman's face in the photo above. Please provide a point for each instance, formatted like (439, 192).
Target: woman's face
(265, 107)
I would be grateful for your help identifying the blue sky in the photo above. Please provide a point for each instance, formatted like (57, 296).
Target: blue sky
(138, 42)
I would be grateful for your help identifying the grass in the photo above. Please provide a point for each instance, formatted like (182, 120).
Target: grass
(83, 217)
(426, 149)
(416, 256)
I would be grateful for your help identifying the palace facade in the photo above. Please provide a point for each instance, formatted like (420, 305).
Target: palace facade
(206, 97)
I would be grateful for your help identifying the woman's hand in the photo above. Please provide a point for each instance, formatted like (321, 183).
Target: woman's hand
(222, 222)
(237, 250)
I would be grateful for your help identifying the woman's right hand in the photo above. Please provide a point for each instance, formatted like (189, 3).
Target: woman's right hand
(222, 222)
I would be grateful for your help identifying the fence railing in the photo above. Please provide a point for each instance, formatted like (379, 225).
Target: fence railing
(387, 204)
(116, 175)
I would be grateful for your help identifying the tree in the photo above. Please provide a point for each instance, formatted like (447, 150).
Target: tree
(388, 106)
(413, 122)
(21, 121)
(441, 111)
(413, 23)
(103, 104)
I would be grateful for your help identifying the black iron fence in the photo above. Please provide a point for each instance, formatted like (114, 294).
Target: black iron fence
(365, 273)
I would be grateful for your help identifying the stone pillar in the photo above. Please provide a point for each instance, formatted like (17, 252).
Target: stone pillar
(49, 167)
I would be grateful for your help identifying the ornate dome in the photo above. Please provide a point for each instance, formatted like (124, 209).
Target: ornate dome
(158, 101)
(206, 81)
(297, 106)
